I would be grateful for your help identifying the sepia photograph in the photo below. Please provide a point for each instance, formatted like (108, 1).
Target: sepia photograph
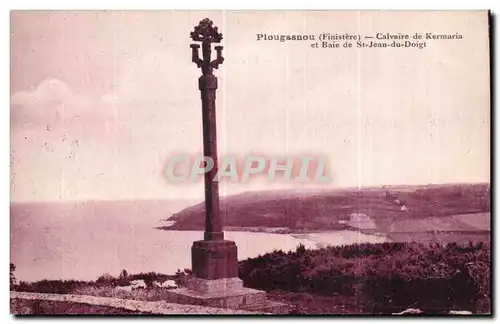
(226, 162)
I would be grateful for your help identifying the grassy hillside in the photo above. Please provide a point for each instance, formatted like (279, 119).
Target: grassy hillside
(377, 278)
(322, 210)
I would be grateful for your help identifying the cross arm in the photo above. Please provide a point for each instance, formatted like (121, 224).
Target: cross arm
(195, 55)
(219, 60)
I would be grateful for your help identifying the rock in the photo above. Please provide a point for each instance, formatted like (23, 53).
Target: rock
(409, 311)
(124, 288)
(136, 284)
(169, 284)
(453, 312)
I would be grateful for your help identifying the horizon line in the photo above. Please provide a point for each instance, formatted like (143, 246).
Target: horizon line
(201, 199)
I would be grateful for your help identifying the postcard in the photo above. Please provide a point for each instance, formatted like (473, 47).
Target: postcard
(250, 162)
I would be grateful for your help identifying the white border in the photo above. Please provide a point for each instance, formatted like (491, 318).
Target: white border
(6, 6)
(254, 5)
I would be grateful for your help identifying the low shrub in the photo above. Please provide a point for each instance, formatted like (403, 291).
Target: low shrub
(381, 275)
(52, 286)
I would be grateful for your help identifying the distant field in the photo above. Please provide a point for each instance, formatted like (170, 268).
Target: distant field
(441, 237)
(457, 223)
(453, 207)
(480, 221)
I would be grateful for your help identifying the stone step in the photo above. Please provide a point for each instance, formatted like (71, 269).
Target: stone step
(226, 299)
(225, 293)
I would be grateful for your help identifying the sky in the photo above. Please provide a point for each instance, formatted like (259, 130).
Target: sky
(101, 100)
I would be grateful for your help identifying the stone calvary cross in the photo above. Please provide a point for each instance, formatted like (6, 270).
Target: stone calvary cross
(214, 257)
(214, 260)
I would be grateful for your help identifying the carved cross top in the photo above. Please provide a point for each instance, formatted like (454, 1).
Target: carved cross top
(206, 33)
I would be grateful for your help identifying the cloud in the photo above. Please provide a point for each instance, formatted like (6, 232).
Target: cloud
(49, 90)
(66, 145)
(51, 102)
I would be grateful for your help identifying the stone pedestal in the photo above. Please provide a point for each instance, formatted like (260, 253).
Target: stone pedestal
(216, 283)
(220, 293)
(214, 259)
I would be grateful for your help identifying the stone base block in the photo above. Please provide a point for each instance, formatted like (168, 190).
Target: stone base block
(204, 286)
(225, 293)
(244, 297)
